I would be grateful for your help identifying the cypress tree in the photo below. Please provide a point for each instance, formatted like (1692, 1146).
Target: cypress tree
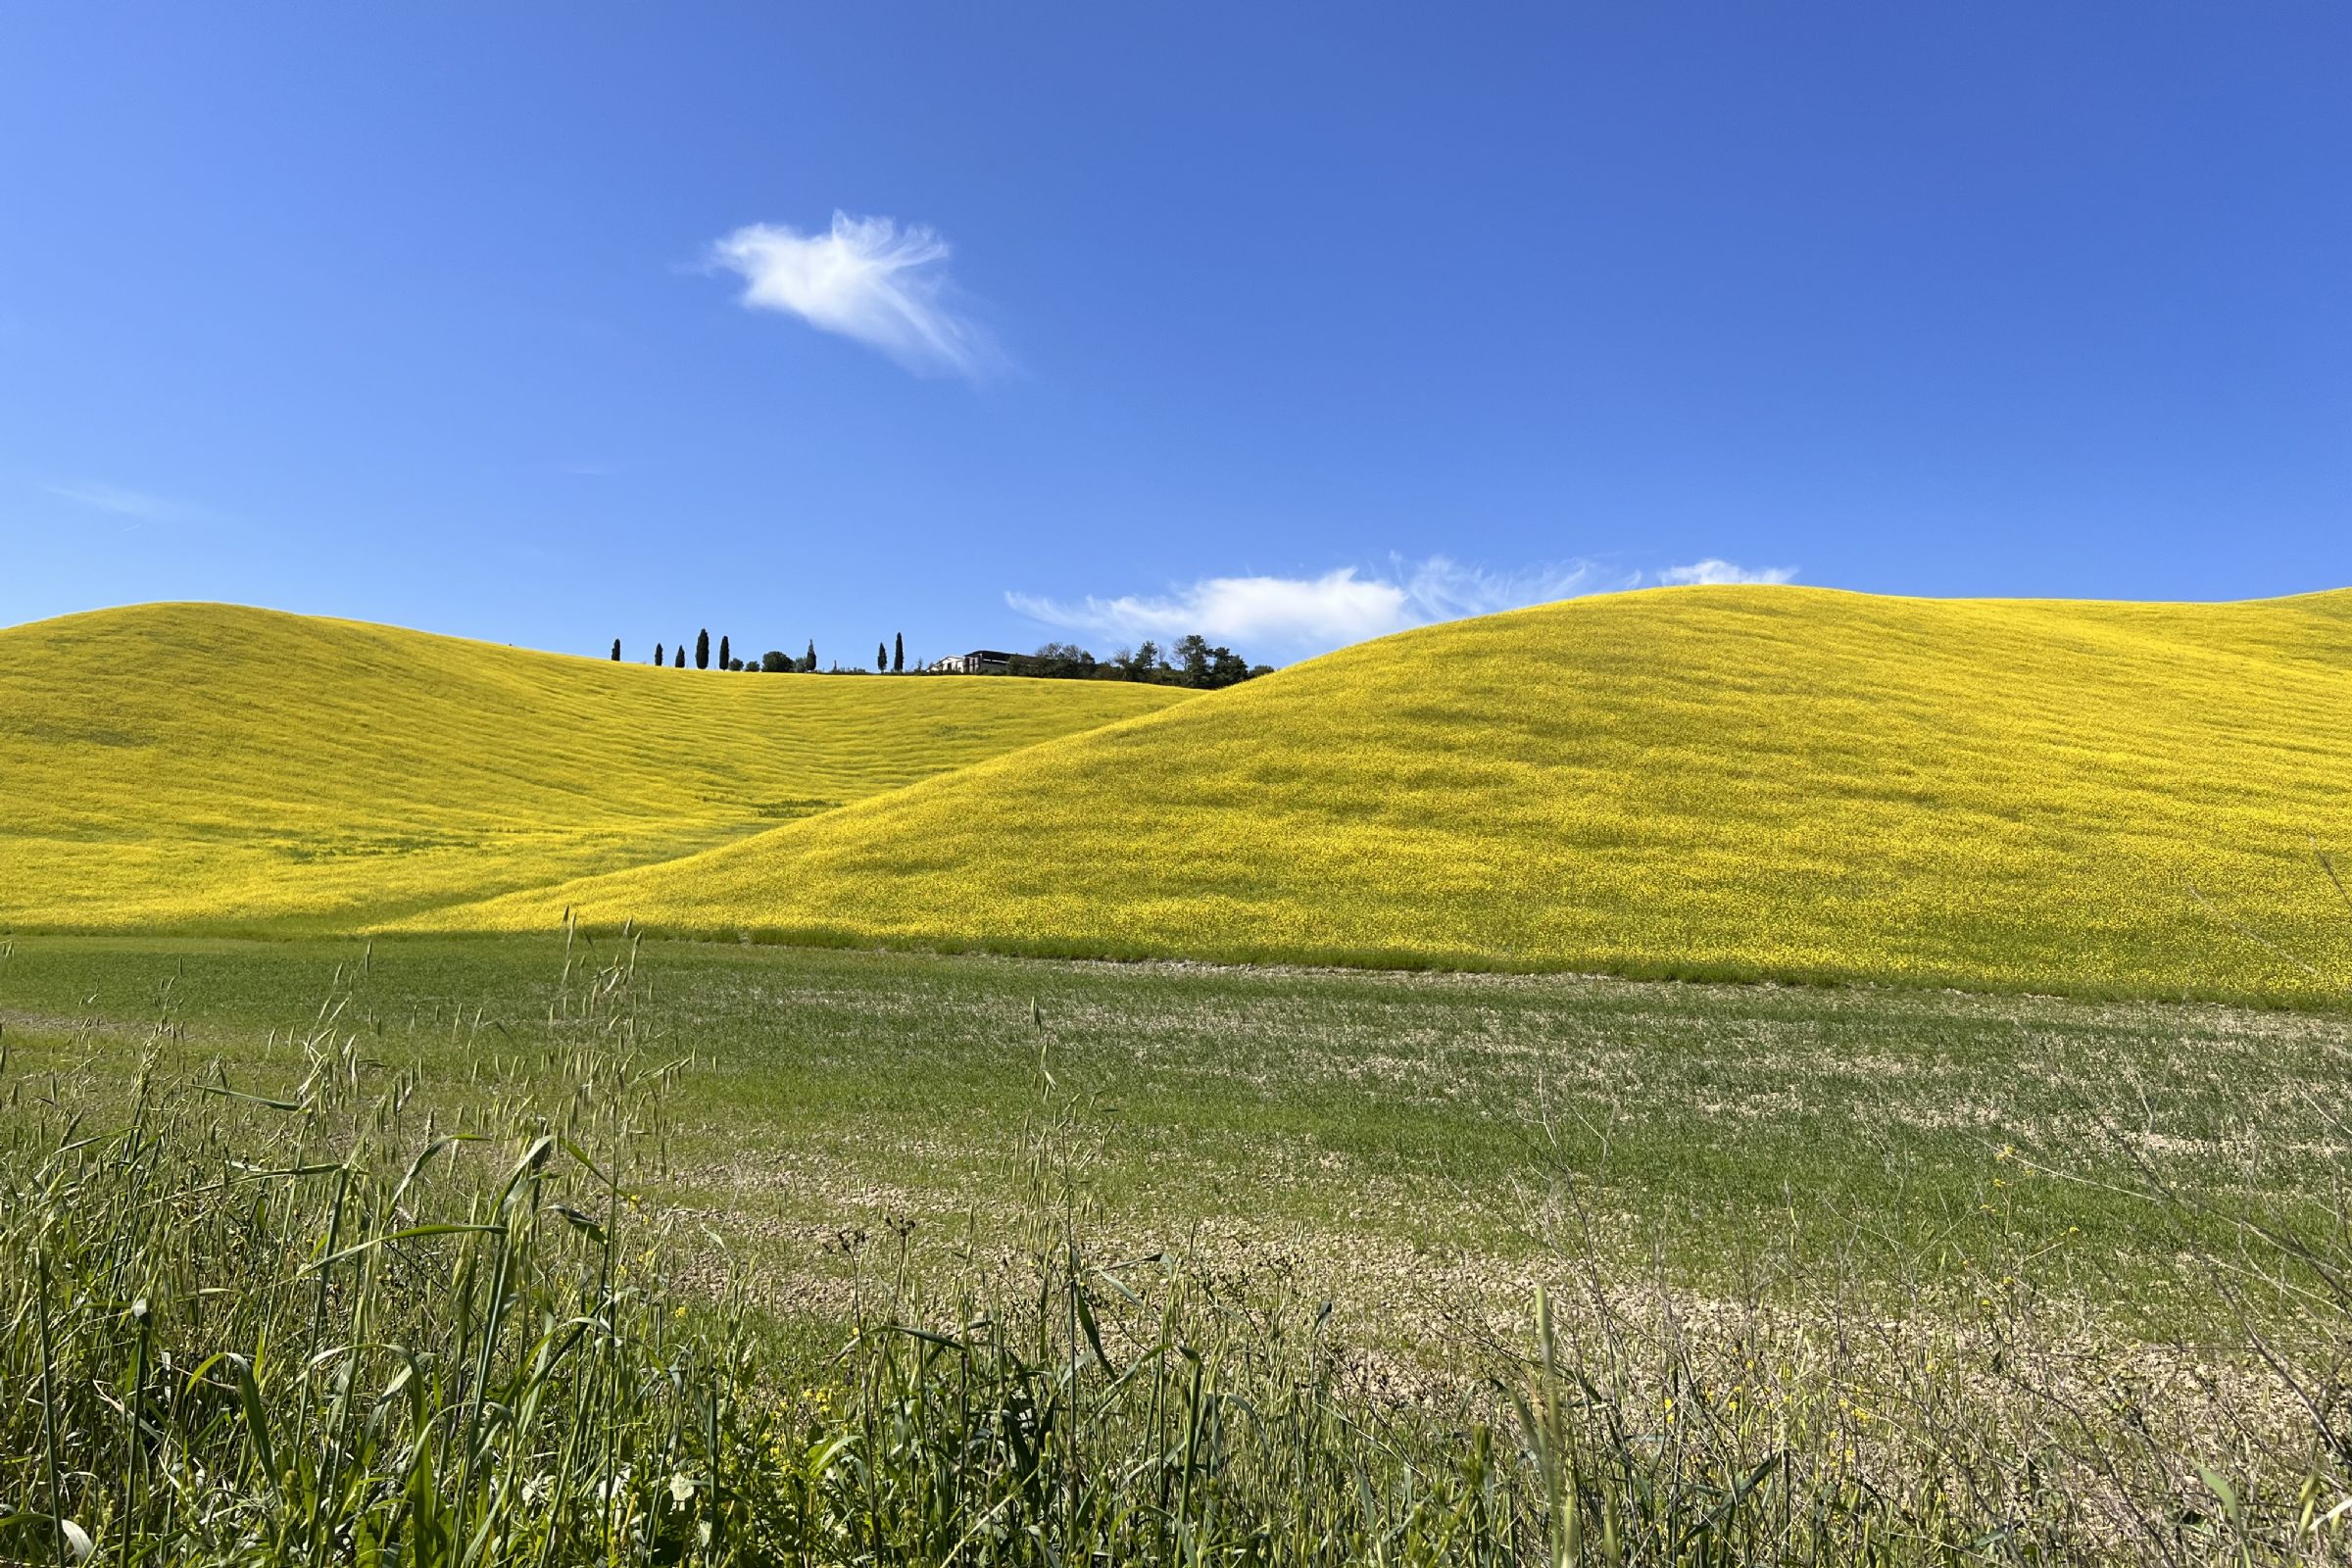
(881, 657)
(657, 658)
(809, 660)
(897, 652)
(722, 653)
(681, 656)
(616, 650)
(702, 650)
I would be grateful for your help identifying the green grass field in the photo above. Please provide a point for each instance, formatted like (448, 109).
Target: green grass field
(1362, 1124)
(210, 768)
(1701, 782)
(1832, 1275)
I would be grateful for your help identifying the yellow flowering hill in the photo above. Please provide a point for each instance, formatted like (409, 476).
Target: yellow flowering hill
(1773, 782)
(209, 767)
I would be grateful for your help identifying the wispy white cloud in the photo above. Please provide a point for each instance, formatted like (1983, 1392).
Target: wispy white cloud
(1442, 589)
(1713, 570)
(1299, 616)
(136, 505)
(865, 279)
(1292, 616)
(1340, 606)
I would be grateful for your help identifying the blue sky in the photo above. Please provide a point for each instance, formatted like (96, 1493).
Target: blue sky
(534, 322)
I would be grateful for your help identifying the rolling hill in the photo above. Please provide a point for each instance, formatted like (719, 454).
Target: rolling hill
(1774, 782)
(215, 768)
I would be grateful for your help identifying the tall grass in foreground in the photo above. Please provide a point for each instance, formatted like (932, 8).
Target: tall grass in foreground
(322, 1324)
(363, 1318)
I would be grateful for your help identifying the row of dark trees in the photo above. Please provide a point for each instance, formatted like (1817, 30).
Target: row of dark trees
(891, 656)
(1193, 661)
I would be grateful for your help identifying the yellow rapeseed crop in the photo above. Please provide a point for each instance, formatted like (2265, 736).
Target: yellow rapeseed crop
(1702, 781)
(208, 768)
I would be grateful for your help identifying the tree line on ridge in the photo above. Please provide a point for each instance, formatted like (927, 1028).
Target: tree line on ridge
(1193, 661)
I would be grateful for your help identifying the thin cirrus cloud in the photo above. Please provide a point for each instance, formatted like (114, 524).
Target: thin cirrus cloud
(865, 279)
(138, 504)
(1715, 572)
(1300, 616)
